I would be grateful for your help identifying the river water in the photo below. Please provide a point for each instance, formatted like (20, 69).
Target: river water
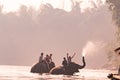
(23, 73)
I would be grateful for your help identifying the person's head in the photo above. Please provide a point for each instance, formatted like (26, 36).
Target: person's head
(47, 55)
(50, 54)
(42, 53)
(64, 58)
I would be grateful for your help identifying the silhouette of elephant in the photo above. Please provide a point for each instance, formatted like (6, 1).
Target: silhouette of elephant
(42, 67)
(70, 69)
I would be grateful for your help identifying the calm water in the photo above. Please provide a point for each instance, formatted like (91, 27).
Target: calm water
(23, 73)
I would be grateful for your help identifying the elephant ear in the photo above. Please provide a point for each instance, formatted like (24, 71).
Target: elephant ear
(71, 68)
(44, 68)
(57, 70)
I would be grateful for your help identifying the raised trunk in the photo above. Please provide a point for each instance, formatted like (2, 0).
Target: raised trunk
(84, 64)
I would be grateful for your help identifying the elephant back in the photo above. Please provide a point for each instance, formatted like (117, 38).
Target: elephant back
(39, 68)
(57, 70)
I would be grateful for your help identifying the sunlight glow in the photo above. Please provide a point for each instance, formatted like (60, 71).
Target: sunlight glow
(90, 4)
(14, 5)
(85, 4)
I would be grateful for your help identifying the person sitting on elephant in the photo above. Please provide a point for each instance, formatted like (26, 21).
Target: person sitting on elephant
(64, 63)
(50, 58)
(69, 58)
(46, 60)
(41, 58)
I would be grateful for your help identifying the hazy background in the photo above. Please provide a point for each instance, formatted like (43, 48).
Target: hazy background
(26, 33)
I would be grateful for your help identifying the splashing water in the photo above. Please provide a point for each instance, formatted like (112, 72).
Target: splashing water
(89, 48)
(8, 72)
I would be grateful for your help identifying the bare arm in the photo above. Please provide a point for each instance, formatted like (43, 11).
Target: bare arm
(67, 56)
(73, 55)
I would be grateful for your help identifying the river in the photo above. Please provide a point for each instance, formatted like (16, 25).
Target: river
(8, 72)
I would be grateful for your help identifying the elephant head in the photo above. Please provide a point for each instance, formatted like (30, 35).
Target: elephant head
(70, 69)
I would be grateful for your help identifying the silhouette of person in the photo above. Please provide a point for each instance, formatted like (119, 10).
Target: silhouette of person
(50, 58)
(41, 58)
(47, 60)
(69, 58)
(64, 62)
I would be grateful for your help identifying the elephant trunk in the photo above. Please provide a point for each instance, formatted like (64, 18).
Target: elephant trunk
(84, 63)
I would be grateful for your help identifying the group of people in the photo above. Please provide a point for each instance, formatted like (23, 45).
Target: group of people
(65, 61)
(47, 59)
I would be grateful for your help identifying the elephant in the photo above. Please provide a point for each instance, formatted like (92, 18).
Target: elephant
(42, 67)
(70, 69)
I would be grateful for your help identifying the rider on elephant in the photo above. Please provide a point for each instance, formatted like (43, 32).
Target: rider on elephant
(69, 58)
(41, 58)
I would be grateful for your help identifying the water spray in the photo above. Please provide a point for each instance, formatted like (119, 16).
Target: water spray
(83, 52)
(89, 47)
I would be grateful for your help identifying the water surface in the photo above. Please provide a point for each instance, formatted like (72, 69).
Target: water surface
(23, 73)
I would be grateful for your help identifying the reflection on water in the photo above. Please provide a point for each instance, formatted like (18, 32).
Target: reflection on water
(23, 73)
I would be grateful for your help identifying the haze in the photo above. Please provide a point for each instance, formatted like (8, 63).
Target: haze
(27, 32)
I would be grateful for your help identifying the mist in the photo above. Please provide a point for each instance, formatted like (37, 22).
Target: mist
(27, 32)
(114, 7)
